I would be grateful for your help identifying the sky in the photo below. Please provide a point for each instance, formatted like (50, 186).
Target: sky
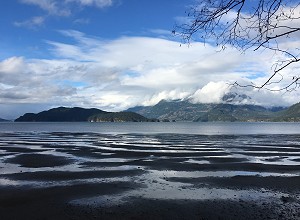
(116, 54)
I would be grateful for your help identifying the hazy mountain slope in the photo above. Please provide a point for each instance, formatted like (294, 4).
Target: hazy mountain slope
(290, 114)
(186, 111)
(173, 110)
(228, 112)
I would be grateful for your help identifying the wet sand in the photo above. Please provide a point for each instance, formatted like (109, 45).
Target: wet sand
(165, 176)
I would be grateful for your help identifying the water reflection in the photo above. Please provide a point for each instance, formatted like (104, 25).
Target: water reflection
(162, 166)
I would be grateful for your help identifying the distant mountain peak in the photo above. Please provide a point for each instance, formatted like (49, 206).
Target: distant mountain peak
(235, 98)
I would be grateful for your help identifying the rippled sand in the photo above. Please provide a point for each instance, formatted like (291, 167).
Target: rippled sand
(165, 176)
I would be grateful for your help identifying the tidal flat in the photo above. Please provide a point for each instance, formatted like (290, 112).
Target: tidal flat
(86, 175)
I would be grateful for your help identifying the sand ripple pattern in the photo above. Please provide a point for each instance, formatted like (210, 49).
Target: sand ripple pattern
(110, 170)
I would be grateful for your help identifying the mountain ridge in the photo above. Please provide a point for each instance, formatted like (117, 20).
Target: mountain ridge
(77, 114)
(176, 110)
(210, 112)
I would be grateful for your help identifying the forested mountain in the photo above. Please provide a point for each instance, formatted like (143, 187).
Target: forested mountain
(63, 114)
(291, 114)
(187, 111)
(118, 117)
(173, 110)
(229, 112)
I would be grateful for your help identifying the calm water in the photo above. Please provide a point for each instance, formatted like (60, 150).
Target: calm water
(156, 128)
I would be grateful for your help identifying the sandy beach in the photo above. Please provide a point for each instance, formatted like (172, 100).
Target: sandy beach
(167, 176)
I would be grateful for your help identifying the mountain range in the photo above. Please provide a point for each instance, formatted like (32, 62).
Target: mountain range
(234, 107)
(186, 111)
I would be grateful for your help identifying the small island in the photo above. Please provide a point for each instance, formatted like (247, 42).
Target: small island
(76, 114)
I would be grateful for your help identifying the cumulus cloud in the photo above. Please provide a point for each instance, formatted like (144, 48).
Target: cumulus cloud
(211, 93)
(29, 81)
(12, 71)
(175, 94)
(117, 74)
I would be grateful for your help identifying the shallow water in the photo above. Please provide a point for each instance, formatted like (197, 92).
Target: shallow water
(155, 164)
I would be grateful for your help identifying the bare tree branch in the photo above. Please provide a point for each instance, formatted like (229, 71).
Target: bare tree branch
(261, 24)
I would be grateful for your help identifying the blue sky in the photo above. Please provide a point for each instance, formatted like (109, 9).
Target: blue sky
(28, 24)
(113, 54)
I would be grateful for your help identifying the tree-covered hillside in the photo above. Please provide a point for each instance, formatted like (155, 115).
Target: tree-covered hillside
(60, 114)
(209, 112)
(118, 117)
(291, 114)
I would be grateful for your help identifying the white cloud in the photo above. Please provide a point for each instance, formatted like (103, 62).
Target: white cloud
(10, 70)
(82, 21)
(30, 81)
(31, 23)
(11, 65)
(53, 7)
(166, 95)
(62, 8)
(117, 74)
(98, 3)
(211, 93)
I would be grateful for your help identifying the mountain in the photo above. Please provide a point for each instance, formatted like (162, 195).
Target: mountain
(173, 110)
(187, 111)
(292, 114)
(229, 112)
(176, 110)
(63, 114)
(3, 120)
(235, 98)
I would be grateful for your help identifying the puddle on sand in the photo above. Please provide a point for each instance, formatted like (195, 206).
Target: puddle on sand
(194, 174)
(197, 161)
(8, 182)
(161, 189)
